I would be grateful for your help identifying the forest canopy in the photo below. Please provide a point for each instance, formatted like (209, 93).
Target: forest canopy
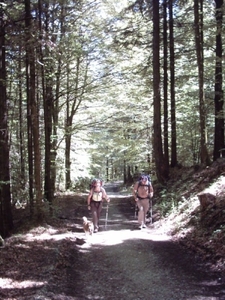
(103, 89)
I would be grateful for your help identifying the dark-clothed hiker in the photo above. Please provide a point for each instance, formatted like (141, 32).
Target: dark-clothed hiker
(142, 192)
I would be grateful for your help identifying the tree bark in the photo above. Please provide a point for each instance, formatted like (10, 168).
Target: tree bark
(33, 114)
(165, 83)
(47, 84)
(218, 98)
(172, 90)
(72, 107)
(6, 221)
(29, 122)
(198, 19)
(161, 167)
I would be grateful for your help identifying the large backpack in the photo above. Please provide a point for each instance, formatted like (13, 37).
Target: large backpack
(93, 182)
(148, 184)
(95, 195)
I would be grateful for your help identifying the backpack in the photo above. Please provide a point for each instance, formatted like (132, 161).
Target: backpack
(96, 195)
(93, 182)
(149, 181)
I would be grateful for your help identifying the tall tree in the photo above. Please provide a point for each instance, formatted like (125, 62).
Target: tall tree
(198, 20)
(172, 88)
(33, 112)
(165, 82)
(6, 222)
(72, 107)
(218, 98)
(47, 87)
(161, 167)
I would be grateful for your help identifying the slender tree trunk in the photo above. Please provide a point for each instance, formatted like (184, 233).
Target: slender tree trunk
(165, 84)
(47, 84)
(124, 171)
(6, 221)
(33, 111)
(172, 90)
(200, 60)
(29, 122)
(67, 157)
(129, 176)
(71, 111)
(55, 112)
(48, 186)
(21, 131)
(107, 169)
(218, 99)
(68, 138)
(55, 115)
(161, 168)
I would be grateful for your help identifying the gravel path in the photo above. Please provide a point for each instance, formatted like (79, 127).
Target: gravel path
(123, 262)
(57, 261)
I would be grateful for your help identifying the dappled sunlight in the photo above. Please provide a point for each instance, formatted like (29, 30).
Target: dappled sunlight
(113, 234)
(58, 256)
(114, 196)
(8, 283)
(203, 298)
(105, 237)
(46, 236)
(115, 237)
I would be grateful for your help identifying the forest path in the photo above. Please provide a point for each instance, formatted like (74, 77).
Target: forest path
(58, 262)
(123, 262)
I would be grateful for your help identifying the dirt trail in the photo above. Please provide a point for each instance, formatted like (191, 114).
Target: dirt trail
(57, 261)
(122, 262)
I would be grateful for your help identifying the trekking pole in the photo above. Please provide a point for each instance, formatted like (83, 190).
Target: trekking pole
(106, 215)
(135, 211)
(151, 210)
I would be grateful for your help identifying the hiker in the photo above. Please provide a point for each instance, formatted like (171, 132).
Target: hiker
(142, 192)
(95, 201)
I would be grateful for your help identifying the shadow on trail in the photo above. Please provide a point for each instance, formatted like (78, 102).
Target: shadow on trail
(144, 264)
(121, 266)
(57, 261)
(122, 262)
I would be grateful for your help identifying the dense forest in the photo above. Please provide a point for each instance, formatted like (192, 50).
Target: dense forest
(105, 88)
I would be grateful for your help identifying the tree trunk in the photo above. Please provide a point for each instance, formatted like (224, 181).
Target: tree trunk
(6, 221)
(161, 168)
(67, 157)
(200, 61)
(48, 186)
(72, 108)
(21, 131)
(55, 108)
(46, 71)
(165, 84)
(218, 98)
(33, 123)
(29, 122)
(124, 171)
(172, 90)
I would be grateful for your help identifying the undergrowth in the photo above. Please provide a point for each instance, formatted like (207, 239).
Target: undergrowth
(202, 231)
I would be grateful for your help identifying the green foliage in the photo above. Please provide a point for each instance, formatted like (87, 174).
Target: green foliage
(97, 57)
(81, 184)
(168, 202)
